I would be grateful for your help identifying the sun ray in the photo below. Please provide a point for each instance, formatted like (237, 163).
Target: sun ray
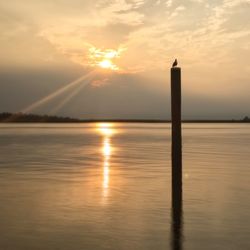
(56, 93)
(70, 96)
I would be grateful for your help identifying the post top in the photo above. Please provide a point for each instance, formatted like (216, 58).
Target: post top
(175, 68)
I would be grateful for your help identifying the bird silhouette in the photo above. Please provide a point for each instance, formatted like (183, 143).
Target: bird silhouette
(175, 63)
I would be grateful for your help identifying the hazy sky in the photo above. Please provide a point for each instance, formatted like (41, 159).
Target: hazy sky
(128, 46)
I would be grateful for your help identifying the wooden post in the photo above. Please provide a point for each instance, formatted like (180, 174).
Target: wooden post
(176, 132)
(176, 158)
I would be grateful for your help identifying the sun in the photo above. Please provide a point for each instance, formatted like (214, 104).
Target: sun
(105, 59)
(106, 64)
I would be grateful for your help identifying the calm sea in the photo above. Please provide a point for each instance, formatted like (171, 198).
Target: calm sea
(108, 186)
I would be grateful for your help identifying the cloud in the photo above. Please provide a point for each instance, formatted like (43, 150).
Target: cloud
(178, 10)
(100, 82)
(122, 11)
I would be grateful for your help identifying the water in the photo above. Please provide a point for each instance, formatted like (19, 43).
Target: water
(108, 186)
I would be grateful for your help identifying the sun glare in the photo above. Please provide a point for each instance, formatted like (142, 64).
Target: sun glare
(105, 59)
(111, 54)
(106, 64)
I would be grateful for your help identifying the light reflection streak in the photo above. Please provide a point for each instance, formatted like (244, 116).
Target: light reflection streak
(106, 130)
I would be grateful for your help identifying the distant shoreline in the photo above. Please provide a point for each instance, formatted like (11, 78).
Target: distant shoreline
(32, 118)
(129, 121)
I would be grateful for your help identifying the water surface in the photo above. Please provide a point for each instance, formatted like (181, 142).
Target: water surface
(108, 186)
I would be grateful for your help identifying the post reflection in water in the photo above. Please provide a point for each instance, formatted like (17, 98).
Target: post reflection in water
(177, 222)
(107, 130)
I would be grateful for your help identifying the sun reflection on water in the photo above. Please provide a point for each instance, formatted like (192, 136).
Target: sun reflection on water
(106, 130)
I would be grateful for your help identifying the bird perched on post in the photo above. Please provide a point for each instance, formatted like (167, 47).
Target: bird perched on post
(175, 63)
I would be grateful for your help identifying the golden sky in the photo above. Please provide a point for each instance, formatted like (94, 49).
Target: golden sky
(135, 39)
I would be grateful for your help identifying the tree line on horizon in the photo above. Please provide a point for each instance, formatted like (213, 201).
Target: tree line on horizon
(23, 117)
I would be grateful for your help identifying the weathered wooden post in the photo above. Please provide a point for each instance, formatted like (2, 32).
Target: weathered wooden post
(176, 157)
(176, 132)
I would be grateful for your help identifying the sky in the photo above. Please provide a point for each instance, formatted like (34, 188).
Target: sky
(97, 59)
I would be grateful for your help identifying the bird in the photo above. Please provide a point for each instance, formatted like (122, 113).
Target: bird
(175, 63)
